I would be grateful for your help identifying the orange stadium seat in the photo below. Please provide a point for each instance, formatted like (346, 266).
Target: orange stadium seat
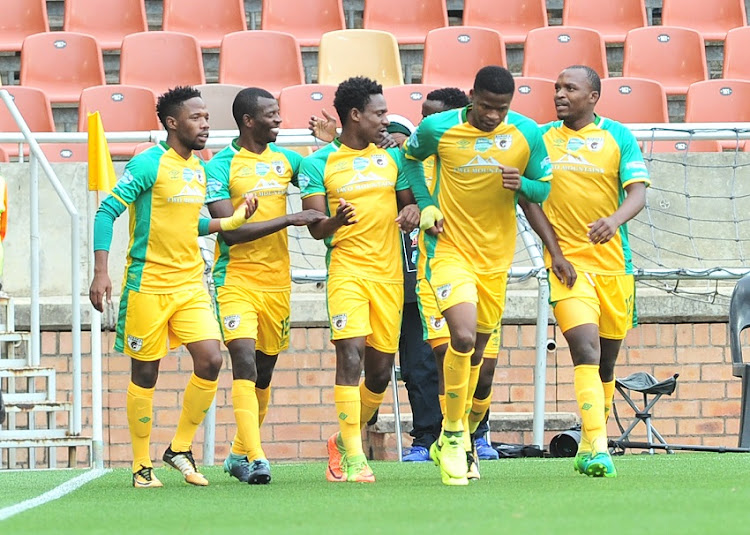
(278, 66)
(4, 158)
(161, 60)
(713, 19)
(549, 50)
(341, 54)
(736, 58)
(535, 98)
(110, 25)
(62, 64)
(307, 21)
(452, 56)
(35, 109)
(123, 108)
(611, 19)
(218, 99)
(718, 101)
(206, 21)
(65, 152)
(633, 100)
(408, 20)
(406, 100)
(299, 102)
(703, 145)
(516, 18)
(18, 20)
(674, 57)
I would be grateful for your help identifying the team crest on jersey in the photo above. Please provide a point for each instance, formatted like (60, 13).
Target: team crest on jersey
(481, 144)
(262, 168)
(436, 323)
(232, 322)
(199, 177)
(443, 291)
(379, 160)
(594, 144)
(135, 343)
(360, 164)
(278, 167)
(339, 321)
(503, 141)
(575, 143)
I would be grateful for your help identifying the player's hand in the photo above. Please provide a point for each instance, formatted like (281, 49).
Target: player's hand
(345, 214)
(241, 214)
(602, 230)
(408, 218)
(305, 217)
(511, 178)
(323, 128)
(431, 220)
(100, 290)
(564, 270)
(389, 142)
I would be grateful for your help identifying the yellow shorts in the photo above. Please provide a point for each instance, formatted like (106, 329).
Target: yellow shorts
(434, 326)
(259, 315)
(604, 300)
(366, 308)
(453, 282)
(148, 325)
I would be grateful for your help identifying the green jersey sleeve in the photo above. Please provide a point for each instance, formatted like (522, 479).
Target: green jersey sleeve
(217, 173)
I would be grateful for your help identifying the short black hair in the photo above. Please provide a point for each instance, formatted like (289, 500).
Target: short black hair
(169, 102)
(353, 93)
(246, 103)
(451, 97)
(591, 75)
(494, 79)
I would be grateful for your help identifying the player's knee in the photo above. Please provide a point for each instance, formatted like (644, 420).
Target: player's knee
(463, 340)
(208, 365)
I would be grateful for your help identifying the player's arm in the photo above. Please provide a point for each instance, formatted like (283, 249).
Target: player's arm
(602, 230)
(535, 191)
(345, 215)
(236, 219)
(562, 269)
(409, 215)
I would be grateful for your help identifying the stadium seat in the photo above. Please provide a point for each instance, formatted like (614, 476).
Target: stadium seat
(712, 20)
(516, 18)
(307, 21)
(4, 158)
(739, 320)
(123, 108)
(684, 146)
(279, 65)
(718, 101)
(408, 20)
(65, 152)
(18, 20)
(35, 109)
(549, 50)
(161, 60)
(736, 58)
(61, 64)
(535, 98)
(674, 57)
(633, 100)
(372, 53)
(406, 100)
(299, 102)
(110, 25)
(218, 99)
(208, 22)
(452, 56)
(611, 19)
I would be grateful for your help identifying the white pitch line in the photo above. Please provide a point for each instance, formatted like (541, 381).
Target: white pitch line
(54, 494)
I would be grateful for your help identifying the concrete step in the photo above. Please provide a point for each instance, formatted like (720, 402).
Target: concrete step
(27, 371)
(37, 406)
(41, 439)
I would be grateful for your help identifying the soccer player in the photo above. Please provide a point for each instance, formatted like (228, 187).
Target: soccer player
(599, 185)
(163, 301)
(251, 272)
(361, 187)
(486, 157)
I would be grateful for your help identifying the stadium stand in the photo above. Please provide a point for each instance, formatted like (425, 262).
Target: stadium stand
(736, 59)
(35, 109)
(219, 99)
(279, 65)
(633, 100)
(19, 20)
(307, 20)
(178, 61)
(716, 101)
(712, 20)
(61, 64)
(674, 57)
(372, 53)
(65, 152)
(110, 25)
(452, 56)
(299, 102)
(208, 22)
(534, 98)
(514, 21)
(4, 158)
(406, 100)
(408, 20)
(549, 50)
(611, 19)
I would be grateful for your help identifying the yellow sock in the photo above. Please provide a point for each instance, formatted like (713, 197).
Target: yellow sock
(609, 395)
(441, 401)
(473, 378)
(590, 398)
(196, 401)
(140, 411)
(369, 403)
(348, 411)
(479, 408)
(456, 371)
(245, 404)
(264, 397)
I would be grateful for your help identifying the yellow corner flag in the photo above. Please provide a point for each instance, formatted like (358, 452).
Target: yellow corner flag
(101, 171)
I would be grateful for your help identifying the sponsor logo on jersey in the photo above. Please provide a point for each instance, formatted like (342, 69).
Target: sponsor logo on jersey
(362, 181)
(188, 194)
(303, 181)
(232, 322)
(463, 144)
(134, 343)
(572, 162)
(479, 164)
(126, 178)
(262, 168)
(360, 164)
(481, 144)
(338, 321)
(503, 141)
(574, 144)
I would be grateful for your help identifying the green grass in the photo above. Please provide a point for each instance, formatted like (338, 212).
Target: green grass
(683, 493)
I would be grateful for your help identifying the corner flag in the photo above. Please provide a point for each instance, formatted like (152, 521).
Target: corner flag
(101, 171)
